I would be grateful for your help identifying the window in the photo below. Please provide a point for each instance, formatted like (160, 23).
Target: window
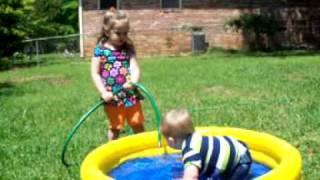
(171, 3)
(107, 4)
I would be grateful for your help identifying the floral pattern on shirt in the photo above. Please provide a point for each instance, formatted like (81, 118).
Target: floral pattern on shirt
(114, 71)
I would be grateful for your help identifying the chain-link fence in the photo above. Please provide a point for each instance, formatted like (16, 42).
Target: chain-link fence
(43, 51)
(39, 50)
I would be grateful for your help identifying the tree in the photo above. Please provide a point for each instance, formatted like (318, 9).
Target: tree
(12, 26)
(54, 17)
(24, 19)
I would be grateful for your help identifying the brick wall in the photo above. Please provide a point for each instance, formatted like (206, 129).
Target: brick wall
(155, 32)
(163, 32)
(203, 4)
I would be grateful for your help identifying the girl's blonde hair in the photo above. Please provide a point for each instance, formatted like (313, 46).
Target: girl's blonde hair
(177, 123)
(110, 18)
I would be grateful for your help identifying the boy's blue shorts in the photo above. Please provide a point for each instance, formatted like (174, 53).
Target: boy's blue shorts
(239, 172)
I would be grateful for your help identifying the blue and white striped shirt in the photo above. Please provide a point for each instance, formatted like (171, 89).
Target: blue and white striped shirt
(211, 154)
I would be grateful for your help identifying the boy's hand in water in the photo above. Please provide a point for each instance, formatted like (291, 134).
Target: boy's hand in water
(128, 85)
(107, 96)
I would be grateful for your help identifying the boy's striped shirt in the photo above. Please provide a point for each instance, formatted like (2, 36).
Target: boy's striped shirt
(210, 154)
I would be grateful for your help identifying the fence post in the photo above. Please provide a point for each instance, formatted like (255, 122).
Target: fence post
(118, 4)
(81, 36)
(37, 53)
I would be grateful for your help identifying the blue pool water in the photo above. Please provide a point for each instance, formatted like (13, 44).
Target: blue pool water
(166, 167)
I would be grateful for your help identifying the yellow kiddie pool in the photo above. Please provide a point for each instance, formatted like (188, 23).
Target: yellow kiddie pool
(133, 156)
(282, 158)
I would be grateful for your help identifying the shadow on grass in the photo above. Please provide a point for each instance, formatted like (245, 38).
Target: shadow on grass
(6, 88)
(42, 60)
(276, 53)
(9, 64)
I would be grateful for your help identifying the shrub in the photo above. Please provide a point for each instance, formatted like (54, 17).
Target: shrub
(259, 30)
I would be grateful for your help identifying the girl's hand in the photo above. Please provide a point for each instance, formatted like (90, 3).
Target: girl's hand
(107, 96)
(127, 86)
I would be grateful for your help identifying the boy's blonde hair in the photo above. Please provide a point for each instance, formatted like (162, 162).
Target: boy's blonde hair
(177, 123)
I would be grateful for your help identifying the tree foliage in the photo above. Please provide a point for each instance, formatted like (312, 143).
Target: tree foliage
(12, 26)
(25, 19)
(54, 17)
(260, 27)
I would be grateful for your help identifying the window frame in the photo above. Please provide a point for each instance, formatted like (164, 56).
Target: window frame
(180, 5)
(99, 4)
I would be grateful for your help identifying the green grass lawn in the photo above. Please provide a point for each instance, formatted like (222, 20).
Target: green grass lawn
(275, 94)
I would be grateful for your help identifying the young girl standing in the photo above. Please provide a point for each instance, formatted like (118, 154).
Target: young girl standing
(113, 69)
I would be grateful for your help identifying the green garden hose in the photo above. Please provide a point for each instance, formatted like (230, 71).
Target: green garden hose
(154, 107)
(74, 130)
(96, 106)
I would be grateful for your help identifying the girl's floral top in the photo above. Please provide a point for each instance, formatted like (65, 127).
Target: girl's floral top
(114, 70)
